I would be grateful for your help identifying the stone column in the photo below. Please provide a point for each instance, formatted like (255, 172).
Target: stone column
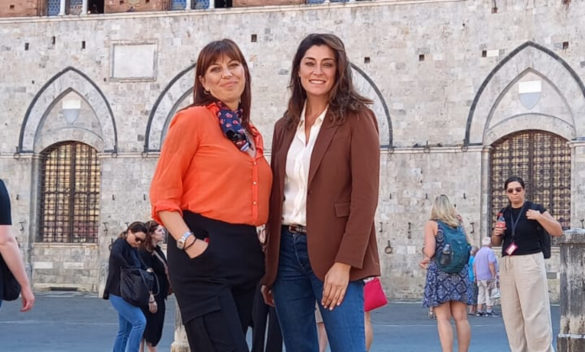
(188, 5)
(211, 4)
(571, 337)
(62, 5)
(577, 186)
(84, 7)
(485, 224)
(180, 344)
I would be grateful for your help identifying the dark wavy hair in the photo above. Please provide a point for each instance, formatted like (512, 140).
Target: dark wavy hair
(513, 179)
(207, 57)
(343, 96)
(136, 226)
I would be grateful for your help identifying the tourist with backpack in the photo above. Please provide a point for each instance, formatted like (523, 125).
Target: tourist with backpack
(519, 229)
(448, 287)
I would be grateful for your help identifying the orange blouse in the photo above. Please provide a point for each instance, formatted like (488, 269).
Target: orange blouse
(200, 170)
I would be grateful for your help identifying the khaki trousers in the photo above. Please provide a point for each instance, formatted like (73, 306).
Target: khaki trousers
(525, 303)
(484, 295)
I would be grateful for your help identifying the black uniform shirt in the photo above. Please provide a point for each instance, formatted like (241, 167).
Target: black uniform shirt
(4, 205)
(526, 237)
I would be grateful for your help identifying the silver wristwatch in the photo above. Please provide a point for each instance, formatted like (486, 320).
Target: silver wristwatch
(182, 239)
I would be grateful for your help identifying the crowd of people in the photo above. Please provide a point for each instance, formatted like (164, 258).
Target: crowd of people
(288, 244)
(519, 282)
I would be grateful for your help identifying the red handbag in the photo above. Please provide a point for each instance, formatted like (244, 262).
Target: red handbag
(374, 296)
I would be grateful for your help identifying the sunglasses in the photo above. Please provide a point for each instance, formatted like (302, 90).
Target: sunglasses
(138, 239)
(512, 190)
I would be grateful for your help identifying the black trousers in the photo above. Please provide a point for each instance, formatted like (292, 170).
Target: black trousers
(215, 291)
(261, 315)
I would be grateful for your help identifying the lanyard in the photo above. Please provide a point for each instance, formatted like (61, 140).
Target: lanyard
(515, 222)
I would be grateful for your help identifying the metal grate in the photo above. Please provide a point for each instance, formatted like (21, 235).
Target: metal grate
(53, 7)
(200, 4)
(75, 7)
(543, 160)
(70, 193)
(178, 4)
(195, 4)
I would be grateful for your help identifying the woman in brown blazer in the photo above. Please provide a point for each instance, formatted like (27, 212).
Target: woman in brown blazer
(320, 233)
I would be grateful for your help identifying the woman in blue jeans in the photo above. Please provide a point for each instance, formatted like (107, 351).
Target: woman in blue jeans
(124, 254)
(321, 240)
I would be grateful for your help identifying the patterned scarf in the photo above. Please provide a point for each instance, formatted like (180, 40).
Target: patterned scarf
(231, 125)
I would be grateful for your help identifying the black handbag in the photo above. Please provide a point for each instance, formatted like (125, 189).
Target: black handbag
(9, 287)
(136, 286)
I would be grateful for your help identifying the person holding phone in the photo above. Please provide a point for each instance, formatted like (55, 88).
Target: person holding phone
(523, 283)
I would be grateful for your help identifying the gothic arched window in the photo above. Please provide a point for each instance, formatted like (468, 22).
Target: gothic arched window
(543, 160)
(70, 193)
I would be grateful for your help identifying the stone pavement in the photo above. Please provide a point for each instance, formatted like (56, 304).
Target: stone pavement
(72, 321)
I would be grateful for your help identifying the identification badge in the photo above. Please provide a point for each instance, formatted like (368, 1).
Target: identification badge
(511, 248)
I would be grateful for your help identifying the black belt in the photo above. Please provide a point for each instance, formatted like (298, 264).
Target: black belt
(294, 228)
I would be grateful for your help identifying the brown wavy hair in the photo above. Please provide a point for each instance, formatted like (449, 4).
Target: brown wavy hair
(151, 226)
(343, 96)
(207, 57)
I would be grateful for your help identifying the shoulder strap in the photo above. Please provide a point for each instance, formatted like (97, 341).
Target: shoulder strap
(164, 263)
(440, 224)
(141, 262)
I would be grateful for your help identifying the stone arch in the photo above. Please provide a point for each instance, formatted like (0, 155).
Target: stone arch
(528, 59)
(369, 89)
(165, 106)
(181, 86)
(69, 80)
(501, 121)
(54, 127)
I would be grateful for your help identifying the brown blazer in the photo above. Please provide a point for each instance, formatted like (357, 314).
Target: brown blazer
(341, 199)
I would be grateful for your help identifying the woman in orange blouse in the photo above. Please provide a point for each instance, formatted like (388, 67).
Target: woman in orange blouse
(211, 190)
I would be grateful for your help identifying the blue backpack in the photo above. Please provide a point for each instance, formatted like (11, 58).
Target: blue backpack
(454, 254)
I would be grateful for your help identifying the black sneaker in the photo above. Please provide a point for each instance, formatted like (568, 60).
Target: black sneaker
(479, 314)
(487, 314)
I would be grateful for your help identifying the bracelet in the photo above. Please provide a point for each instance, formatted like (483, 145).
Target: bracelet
(190, 244)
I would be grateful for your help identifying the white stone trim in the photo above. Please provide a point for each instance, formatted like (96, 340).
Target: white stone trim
(42, 265)
(62, 5)
(522, 122)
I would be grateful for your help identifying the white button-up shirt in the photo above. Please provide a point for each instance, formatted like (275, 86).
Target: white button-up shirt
(298, 160)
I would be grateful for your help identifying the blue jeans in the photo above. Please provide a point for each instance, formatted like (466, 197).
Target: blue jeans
(132, 324)
(295, 291)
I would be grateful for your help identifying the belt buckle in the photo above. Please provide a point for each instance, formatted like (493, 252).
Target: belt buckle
(297, 228)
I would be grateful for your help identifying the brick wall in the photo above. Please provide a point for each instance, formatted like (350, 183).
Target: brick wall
(21, 8)
(114, 6)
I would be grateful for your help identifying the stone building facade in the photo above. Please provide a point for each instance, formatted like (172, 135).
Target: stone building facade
(451, 81)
